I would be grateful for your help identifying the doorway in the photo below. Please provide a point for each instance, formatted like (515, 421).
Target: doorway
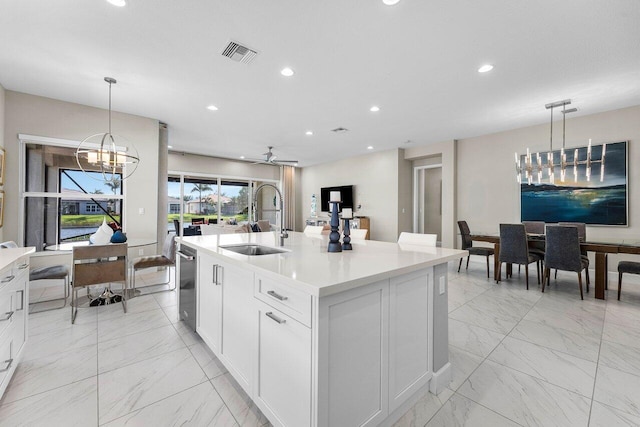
(427, 196)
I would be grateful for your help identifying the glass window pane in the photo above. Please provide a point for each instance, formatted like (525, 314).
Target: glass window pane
(234, 201)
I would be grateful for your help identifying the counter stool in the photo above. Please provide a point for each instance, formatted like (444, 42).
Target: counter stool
(630, 267)
(54, 272)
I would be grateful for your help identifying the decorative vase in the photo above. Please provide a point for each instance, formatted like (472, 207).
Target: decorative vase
(118, 237)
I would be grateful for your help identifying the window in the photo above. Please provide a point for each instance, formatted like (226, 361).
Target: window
(60, 202)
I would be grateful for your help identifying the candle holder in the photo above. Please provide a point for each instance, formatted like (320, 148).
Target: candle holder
(346, 241)
(334, 236)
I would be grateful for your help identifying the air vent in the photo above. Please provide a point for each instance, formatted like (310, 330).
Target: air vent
(339, 130)
(239, 53)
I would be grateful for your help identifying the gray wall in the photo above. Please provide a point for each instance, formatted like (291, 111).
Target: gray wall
(35, 115)
(489, 195)
(378, 178)
(185, 162)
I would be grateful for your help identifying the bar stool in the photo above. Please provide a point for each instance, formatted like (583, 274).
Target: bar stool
(630, 267)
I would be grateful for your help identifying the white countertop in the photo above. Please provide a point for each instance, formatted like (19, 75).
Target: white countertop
(308, 264)
(10, 255)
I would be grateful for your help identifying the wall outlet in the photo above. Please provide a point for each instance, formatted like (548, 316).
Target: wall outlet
(442, 284)
(141, 211)
(140, 251)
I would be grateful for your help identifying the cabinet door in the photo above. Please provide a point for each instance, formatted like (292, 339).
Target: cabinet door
(238, 328)
(209, 325)
(409, 335)
(283, 388)
(20, 308)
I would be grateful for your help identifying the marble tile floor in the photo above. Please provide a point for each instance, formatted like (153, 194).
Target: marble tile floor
(518, 358)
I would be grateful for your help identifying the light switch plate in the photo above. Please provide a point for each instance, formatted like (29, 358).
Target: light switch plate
(442, 285)
(141, 211)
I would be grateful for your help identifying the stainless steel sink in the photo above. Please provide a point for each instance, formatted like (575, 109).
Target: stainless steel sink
(253, 249)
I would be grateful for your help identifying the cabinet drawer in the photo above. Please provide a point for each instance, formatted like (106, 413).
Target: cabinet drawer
(288, 299)
(6, 360)
(6, 308)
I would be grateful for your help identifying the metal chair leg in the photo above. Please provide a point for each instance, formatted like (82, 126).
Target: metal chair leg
(459, 265)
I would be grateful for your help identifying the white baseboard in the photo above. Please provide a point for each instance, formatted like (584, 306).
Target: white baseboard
(440, 379)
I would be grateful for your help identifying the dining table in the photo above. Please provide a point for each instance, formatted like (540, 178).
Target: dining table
(601, 249)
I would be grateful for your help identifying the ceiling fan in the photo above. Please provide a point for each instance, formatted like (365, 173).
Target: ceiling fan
(270, 158)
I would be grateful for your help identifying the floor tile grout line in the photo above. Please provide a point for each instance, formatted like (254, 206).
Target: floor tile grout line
(3, 403)
(135, 333)
(224, 401)
(157, 401)
(595, 377)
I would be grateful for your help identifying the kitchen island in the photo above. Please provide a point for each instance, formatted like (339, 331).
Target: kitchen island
(325, 339)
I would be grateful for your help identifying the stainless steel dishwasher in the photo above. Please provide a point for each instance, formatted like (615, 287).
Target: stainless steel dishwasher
(188, 276)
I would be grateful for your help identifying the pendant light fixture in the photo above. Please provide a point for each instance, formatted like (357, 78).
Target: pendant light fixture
(114, 159)
(535, 168)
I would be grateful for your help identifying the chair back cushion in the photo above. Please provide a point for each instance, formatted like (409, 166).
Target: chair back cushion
(418, 239)
(581, 226)
(169, 247)
(562, 249)
(465, 235)
(513, 244)
(95, 264)
(534, 227)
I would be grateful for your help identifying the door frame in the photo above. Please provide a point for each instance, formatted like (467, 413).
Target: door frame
(416, 193)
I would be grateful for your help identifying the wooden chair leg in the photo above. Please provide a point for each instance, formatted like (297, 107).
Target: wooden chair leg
(580, 284)
(619, 284)
(538, 271)
(467, 267)
(499, 272)
(459, 265)
(488, 266)
(586, 272)
(545, 278)
(526, 272)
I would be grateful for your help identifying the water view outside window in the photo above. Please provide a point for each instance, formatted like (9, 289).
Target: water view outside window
(79, 218)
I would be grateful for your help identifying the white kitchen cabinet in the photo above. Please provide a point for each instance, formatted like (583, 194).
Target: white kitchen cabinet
(209, 324)
(14, 297)
(238, 325)
(410, 329)
(283, 368)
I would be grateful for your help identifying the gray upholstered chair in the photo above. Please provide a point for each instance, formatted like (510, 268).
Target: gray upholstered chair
(467, 245)
(630, 267)
(51, 272)
(514, 249)
(582, 235)
(534, 227)
(562, 252)
(166, 259)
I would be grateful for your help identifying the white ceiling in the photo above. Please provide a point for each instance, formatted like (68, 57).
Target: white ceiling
(417, 60)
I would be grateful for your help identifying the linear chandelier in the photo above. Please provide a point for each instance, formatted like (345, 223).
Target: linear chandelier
(115, 160)
(536, 167)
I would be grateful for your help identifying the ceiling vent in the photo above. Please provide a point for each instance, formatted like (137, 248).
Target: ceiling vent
(239, 53)
(340, 130)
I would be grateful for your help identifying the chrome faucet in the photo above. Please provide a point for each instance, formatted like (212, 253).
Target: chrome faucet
(283, 231)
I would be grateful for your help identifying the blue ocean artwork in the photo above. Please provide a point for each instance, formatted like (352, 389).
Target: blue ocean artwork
(579, 199)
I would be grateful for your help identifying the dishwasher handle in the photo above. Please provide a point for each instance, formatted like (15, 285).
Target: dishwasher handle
(185, 256)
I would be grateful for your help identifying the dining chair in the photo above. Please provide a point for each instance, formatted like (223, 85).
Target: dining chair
(264, 225)
(313, 229)
(534, 227)
(562, 252)
(197, 221)
(166, 259)
(358, 233)
(51, 272)
(467, 245)
(418, 239)
(630, 267)
(95, 265)
(514, 249)
(582, 235)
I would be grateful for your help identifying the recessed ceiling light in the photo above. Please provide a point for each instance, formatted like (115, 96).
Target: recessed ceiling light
(169, 146)
(118, 3)
(242, 157)
(212, 108)
(295, 164)
(390, 2)
(309, 133)
(287, 72)
(374, 109)
(485, 68)
(370, 147)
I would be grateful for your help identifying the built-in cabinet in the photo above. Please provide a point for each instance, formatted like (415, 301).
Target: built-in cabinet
(350, 358)
(14, 281)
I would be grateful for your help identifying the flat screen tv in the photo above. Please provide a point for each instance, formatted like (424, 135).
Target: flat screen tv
(346, 193)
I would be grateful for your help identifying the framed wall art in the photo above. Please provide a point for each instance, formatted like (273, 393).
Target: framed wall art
(582, 197)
